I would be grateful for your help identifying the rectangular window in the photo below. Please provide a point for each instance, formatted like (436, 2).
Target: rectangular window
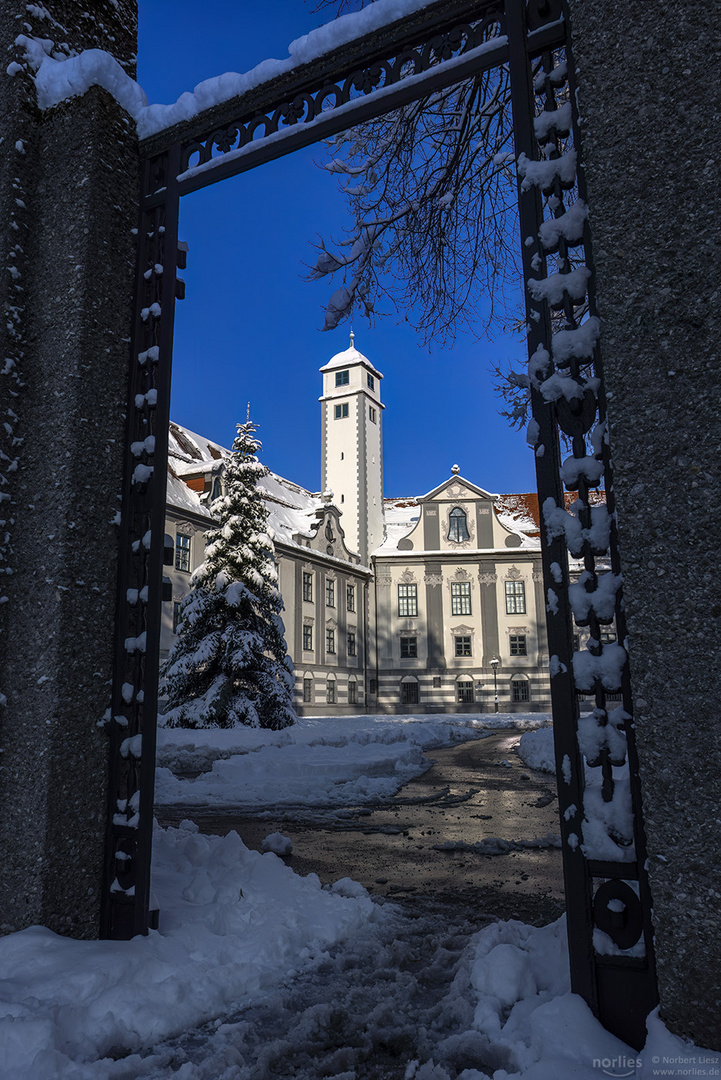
(409, 648)
(182, 552)
(308, 587)
(465, 690)
(371, 382)
(520, 690)
(330, 641)
(330, 692)
(341, 411)
(307, 689)
(372, 686)
(350, 597)
(330, 592)
(409, 693)
(342, 378)
(515, 598)
(351, 645)
(518, 644)
(607, 636)
(407, 599)
(463, 645)
(460, 598)
(176, 615)
(372, 415)
(308, 638)
(352, 693)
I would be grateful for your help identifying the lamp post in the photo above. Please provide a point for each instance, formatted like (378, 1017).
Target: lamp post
(494, 664)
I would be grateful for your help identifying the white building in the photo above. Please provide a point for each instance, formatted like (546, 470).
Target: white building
(431, 603)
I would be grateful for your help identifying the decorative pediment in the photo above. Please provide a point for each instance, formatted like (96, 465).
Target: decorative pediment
(462, 630)
(461, 574)
(407, 576)
(513, 573)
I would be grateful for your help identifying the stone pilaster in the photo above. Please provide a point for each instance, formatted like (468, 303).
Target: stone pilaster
(69, 192)
(650, 101)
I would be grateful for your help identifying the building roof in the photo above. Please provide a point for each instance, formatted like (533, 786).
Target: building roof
(348, 357)
(291, 508)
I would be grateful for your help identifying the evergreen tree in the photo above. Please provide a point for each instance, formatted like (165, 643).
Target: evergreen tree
(229, 664)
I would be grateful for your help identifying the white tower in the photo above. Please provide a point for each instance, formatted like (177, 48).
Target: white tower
(352, 447)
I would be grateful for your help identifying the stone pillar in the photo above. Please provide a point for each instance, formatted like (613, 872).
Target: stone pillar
(650, 103)
(68, 195)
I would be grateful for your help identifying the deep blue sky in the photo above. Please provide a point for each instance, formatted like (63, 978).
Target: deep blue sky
(249, 329)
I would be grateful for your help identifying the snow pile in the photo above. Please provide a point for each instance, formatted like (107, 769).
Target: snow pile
(234, 923)
(526, 1022)
(536, 749)
(278, 844)
(329, 762)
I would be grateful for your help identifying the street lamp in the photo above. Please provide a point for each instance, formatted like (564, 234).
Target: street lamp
(494, 662)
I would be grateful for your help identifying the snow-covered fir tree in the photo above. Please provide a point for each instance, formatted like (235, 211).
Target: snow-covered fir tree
(229, 663)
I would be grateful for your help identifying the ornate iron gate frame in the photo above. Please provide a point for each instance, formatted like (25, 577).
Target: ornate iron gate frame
(608, 901)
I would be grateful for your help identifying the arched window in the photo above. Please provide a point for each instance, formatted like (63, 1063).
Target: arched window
(458, 525)
(520, 688)
(410, 694)
(464, 689)
(330, 690)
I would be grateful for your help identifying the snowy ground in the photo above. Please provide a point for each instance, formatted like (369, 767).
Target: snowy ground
(319, 764)
(260, 973)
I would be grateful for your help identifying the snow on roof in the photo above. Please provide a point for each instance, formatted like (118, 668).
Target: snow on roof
(189, 453)
(291, 509)
(401, 517)
(348, 357)
(182, 498)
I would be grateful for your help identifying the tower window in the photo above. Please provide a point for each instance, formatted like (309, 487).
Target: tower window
(458, 525)
(371, 382)
(341, 411)
(372, 414)
(342, 378)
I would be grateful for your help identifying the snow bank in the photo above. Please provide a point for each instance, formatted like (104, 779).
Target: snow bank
(233, 924)
(527, 1025)
(319, 763)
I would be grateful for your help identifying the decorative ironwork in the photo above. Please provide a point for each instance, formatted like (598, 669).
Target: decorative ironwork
(348, 87)
(447, 43)
(608, 902)
(126, 910)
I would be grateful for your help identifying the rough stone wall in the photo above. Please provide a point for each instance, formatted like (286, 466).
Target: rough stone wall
(649, 79)
(68, 309)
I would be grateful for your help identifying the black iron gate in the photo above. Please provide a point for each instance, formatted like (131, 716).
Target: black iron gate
(608, 902)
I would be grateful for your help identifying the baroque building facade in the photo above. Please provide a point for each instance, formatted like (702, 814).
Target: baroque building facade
(431, 603)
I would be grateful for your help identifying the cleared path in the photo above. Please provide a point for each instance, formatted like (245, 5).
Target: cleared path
(475, 792)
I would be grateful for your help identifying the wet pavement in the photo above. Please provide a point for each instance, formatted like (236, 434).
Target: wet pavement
(420, 844)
